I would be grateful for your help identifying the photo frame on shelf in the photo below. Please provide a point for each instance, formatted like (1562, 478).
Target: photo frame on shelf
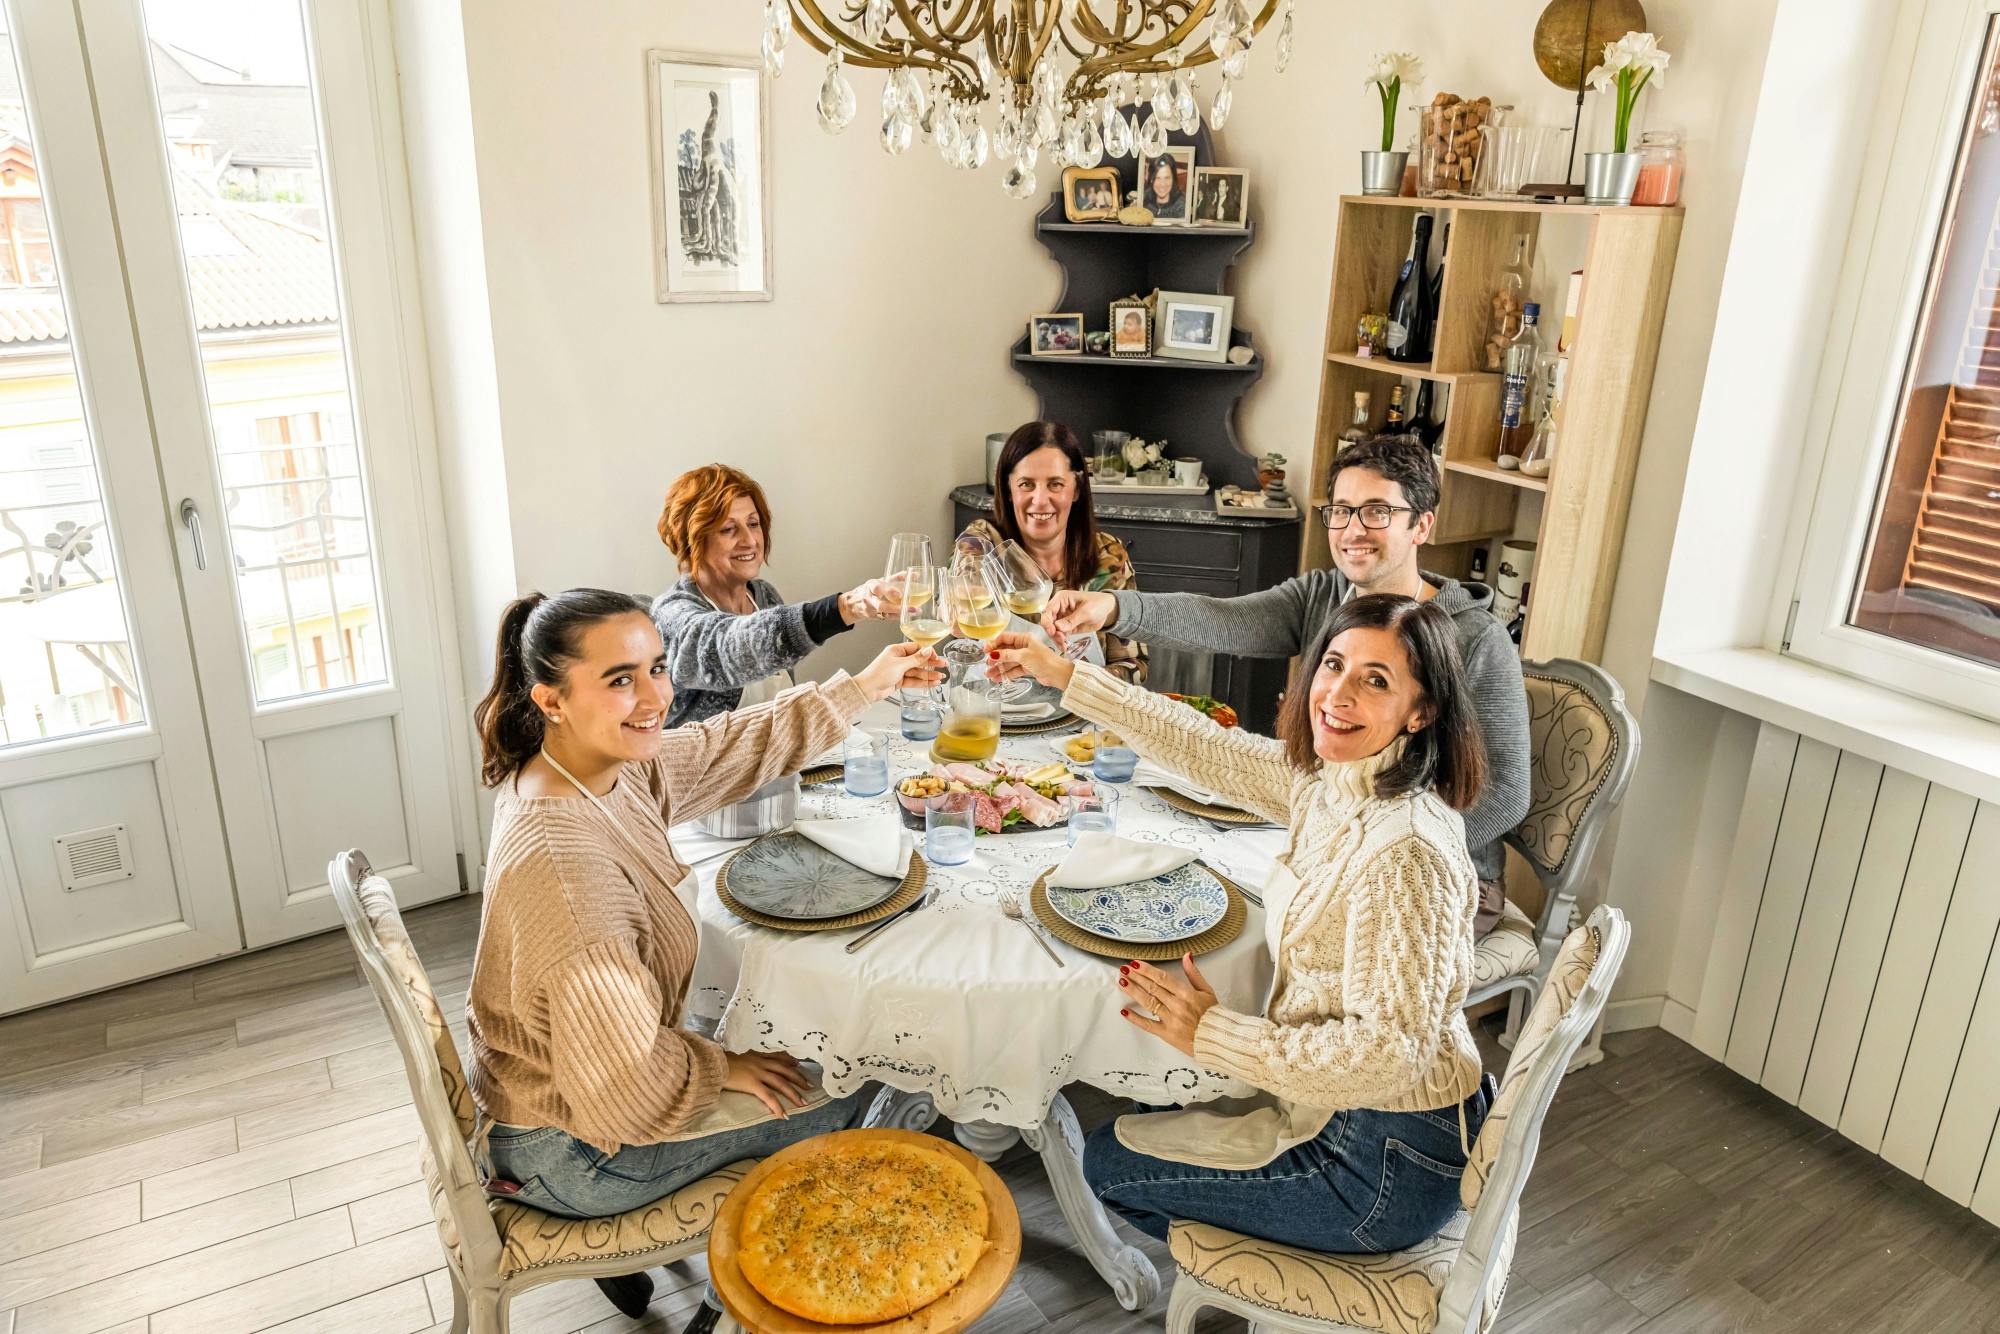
(1091, 194)
(1166, 185)
(1131, 328)
(1192, 326)
(1059, 335)
(1221, 197)
(709, 123)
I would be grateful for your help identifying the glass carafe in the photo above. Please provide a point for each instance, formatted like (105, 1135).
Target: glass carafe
(971, 729)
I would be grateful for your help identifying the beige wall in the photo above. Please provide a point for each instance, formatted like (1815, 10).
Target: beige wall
(863, 392)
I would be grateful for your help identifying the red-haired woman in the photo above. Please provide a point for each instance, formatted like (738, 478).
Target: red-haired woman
(731, 639)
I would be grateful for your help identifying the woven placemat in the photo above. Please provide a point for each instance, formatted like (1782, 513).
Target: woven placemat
(905, 895)
(824, 773)
(1060, 723)
(1224, 931)
(1180, 801)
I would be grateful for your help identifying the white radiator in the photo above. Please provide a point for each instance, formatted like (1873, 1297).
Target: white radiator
(1855, 971)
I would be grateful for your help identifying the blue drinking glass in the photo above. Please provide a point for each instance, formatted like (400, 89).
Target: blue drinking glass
(1115, 764)
(865, 765)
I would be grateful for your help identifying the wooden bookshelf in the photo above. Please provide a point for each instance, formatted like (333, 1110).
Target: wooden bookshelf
(1628, 269)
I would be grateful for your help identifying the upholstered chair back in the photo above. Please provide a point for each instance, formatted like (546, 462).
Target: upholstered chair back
(430, 1059)
(1583, 743)
(1570, 1003)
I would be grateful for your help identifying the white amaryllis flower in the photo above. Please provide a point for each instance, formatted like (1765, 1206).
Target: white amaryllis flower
(1387, 67)
(1639, 52)
(1135, 454)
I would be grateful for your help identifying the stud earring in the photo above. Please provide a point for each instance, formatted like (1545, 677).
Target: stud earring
(555, 718)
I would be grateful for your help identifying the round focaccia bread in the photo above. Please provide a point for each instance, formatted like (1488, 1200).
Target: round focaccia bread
(863, 1232)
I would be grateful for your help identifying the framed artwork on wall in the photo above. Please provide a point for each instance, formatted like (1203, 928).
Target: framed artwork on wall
(710, 118)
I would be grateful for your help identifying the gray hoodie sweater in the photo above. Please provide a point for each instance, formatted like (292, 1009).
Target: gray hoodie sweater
(1280, 622)
(713, 654)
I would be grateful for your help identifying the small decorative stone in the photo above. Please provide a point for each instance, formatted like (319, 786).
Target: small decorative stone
(1241, 356)
(1136, 215)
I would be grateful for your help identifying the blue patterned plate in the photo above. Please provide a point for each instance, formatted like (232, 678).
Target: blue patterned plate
(1168, 907)
(789, 875)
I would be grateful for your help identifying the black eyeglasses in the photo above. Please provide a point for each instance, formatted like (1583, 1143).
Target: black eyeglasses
(1335, 517)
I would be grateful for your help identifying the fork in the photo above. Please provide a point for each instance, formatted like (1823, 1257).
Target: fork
(1010, 908)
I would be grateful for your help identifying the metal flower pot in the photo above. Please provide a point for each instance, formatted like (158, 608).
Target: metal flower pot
(1382, 173)
(1610, 178)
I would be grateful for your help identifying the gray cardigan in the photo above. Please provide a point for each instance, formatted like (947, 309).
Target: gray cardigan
(1280, 622)
(712, 654)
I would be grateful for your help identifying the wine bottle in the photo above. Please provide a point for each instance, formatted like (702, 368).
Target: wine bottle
(1427, 420)
(1396, 421)
(1411, 310)
(1477, 575)
(1517, 415)
(1357, 428)
(1437, 275)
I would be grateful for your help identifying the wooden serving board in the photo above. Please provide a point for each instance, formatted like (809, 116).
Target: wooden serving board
(950, 1313)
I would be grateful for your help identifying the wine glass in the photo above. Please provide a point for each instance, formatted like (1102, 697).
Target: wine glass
(922, 617)
(1024, 586)
(973, 601)
(910, 555)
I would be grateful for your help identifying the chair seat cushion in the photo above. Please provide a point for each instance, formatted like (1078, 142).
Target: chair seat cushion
(1508, 950)
(531, 1239)
(1396, 1293)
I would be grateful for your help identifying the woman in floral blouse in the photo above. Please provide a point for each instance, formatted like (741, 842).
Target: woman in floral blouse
(1041, 499)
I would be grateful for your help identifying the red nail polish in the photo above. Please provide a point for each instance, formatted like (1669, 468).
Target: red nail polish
(1124, 968)
(1123, 983)
(1124, 1014)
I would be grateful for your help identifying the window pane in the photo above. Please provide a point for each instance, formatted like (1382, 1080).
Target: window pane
(66, 660)
(1931, 574)
(237, 111)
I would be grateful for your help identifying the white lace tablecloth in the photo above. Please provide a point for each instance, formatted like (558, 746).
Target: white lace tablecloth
(956, 1001)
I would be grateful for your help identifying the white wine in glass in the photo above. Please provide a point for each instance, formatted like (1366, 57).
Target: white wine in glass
(910, 566)
(974, 604)
(1026, 588)
(920, 622)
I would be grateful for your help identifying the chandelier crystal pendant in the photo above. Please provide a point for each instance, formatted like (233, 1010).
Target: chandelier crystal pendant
(1012, 79)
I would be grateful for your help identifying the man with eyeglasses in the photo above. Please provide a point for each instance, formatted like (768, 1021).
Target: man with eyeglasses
(1382, 506)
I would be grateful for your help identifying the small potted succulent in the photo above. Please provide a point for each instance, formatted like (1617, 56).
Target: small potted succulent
(1270, 468)
(1382, 172)
(1630, 63)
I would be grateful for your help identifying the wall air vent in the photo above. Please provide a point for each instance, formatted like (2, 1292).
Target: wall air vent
(91, 857)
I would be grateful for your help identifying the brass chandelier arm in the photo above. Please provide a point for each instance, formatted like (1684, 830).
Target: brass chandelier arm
(1129, 57)
(943, 45)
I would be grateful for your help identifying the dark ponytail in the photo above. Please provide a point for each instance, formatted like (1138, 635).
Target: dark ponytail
(537, 643)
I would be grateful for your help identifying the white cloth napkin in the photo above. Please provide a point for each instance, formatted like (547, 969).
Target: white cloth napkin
(1149, 774)
(1100, 860)
(837, 754)
(1028, 711)
(879, 844)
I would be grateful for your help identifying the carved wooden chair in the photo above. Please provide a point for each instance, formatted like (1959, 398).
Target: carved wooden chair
(1584, 744)
(494, 1249)
(1454, 1282)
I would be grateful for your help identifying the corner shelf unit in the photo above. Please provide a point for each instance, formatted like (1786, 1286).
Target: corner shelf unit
(1191, 404)
(1627, 272)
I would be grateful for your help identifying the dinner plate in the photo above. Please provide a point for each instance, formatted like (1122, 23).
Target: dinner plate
(789, 875)
(1168, 907)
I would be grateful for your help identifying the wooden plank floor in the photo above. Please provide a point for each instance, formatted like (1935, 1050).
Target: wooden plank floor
(232, 1149)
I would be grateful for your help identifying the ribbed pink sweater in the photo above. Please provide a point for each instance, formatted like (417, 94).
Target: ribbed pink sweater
(584, 957)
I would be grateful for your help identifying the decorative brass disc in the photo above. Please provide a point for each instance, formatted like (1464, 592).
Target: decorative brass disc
(1562, 51)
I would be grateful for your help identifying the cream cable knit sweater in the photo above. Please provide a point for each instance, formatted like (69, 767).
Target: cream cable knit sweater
(585, 952)
(1375, 954)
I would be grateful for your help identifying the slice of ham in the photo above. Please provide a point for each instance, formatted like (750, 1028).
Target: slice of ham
(969, 774)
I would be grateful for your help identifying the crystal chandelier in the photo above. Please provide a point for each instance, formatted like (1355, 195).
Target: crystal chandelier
(1059, 73)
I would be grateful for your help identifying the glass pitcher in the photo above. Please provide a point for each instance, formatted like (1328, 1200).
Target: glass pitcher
(971, 729)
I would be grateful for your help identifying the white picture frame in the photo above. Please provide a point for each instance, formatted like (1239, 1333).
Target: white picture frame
(1221, 197)
(1193, 326)
(709, 122)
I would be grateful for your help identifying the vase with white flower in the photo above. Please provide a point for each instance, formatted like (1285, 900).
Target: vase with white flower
(1630, 63)
(1388, 71)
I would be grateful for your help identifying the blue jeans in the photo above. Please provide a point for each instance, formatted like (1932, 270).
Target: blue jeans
(1370, 1182)
(560, 1174)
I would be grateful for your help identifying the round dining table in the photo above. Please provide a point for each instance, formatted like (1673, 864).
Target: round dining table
(957, 1011)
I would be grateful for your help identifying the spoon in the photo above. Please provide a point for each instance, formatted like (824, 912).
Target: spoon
(1010, 908)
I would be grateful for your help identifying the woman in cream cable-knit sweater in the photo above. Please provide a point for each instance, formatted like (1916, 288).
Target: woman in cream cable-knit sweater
(599, 1100)
(1374, 1083)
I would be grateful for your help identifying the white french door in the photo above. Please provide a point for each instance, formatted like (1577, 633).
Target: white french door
(266, 641)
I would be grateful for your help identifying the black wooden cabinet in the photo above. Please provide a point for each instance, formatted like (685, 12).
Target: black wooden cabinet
(1179, 544)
